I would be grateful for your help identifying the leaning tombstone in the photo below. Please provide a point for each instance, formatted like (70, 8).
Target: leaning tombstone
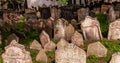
(77, 39)
(97, 49)
(112, 15)
(50, 46)
(44, 38)
(59, 29)
(35, 45)
(114, 30)
(69, 31)
(62, 43)
(41, 56)
(91, 29)
(70, 54)
(115, 58)
(82, 13)
(16, 53)
(12, 37)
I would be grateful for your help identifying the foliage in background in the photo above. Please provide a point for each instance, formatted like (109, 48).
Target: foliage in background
(63, 1)
(104, 24)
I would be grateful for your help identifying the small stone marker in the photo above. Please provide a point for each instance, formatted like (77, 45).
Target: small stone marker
(42, 56)
(35, 45)
(12, 37)
(77, 39)
(96, 49)
(50, 46)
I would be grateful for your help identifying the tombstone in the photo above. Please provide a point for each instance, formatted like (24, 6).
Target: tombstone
(82, 13)
(91, 29)
(54, 12)
(38, 14)
(70, 54)
(69, 31)
(5, 17)
(59, 29)
(77, 39)
(41, 56)
(31, 17)
(35, 45)
(104, 9)
(49, 27)
(50, 46)
(16, 53)
(114, 33)
(44, 38)
(12, 37)
(96, 49)
(62, 43)
(112, 15)
(115, 58)
(73, 22)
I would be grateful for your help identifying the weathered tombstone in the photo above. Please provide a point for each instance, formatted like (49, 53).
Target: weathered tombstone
(73, 22)
(31, 17)
(42, 56)
(54, 12)
(112, 15)
(59, 29)
(115, 58)
(38, 14)
(70, 54)
(5, 17)
(16, 53)
(35, 45)
(49, 26)
(69, 31)
(44, 38)
(62, 43)
(91, 29)
(77, 39)
(50, 46)
(12, 37)
(114, 33)
(96, 49)
(104, 8)
(82, 13)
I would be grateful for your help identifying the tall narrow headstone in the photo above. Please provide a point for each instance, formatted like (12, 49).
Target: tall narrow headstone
(69, 31)
(44, 38)
(91, 29)
(77, 39)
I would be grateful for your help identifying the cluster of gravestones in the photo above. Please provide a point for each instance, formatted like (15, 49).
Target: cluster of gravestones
(67, 49)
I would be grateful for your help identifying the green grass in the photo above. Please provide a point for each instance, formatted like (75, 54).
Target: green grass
(113, 46)
(104, 24)
(92, 59)
(1, 61)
